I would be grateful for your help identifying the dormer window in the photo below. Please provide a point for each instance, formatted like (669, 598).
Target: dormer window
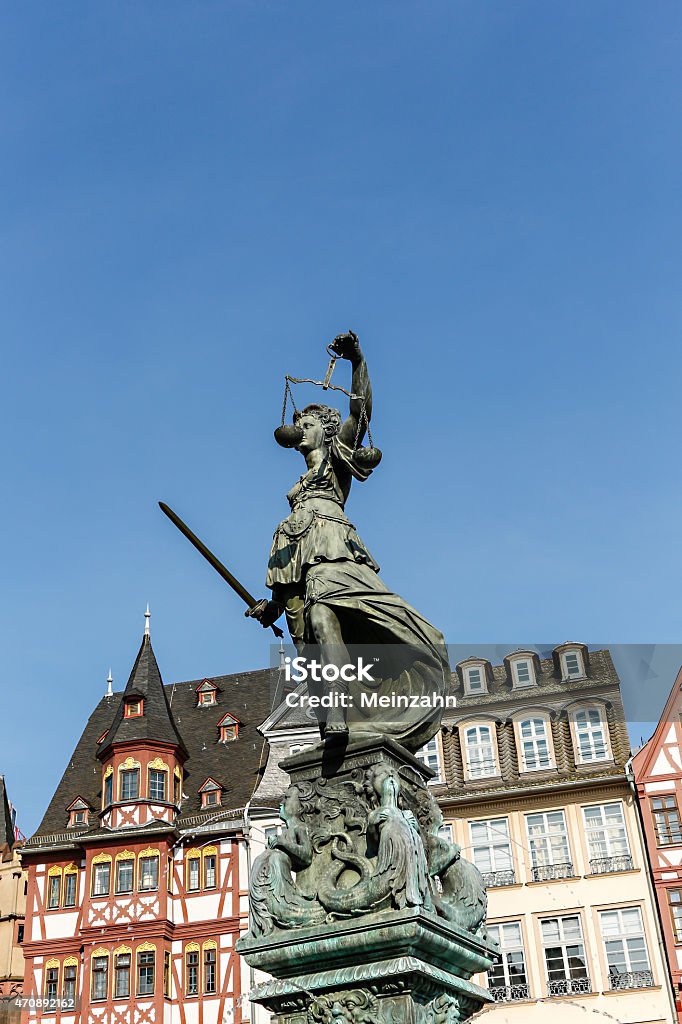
(572, 661)
(211, 794)
(573, 666)
(523, 673)
(133, 708)
(78, 812)
(229, 728)
(521, 667)
(474, 677)
(207, 694)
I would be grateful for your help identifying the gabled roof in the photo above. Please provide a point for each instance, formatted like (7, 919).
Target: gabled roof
(210, 786)
(641, 762)
(206, 685)
(156, 721)
(6, 826)
(79, 804)
(228, 719)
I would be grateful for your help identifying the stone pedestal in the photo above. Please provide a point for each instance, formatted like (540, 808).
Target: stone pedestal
(375, 957)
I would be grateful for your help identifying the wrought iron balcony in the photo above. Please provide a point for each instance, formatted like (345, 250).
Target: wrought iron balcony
(630, 979)
(492, 879)
(569, 987)
(509, 993)
(550, 872)
(605, 865)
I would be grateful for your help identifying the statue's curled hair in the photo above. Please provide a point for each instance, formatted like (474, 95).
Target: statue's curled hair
(328, 417)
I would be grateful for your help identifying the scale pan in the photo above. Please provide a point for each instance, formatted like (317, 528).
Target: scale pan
(368, 457)
(288, 436)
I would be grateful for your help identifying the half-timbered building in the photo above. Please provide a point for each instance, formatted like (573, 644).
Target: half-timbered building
(657, 769)
(137, 875)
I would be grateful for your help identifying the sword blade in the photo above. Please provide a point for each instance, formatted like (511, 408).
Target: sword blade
(232, 581)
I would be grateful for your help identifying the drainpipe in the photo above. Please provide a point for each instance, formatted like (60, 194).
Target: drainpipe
(247, 843)
(630, 776)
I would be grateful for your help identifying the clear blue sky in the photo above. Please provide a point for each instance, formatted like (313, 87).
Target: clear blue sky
(197, 196)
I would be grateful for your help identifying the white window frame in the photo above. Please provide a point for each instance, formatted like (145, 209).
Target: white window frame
(99, 871)
(54, 892)
(573, 652)
(534, 741)
(507, 948)
(589, 730)
(482, 682)
(430, 755)
(541, 845)
(623, 935)
(601, 832)
(519, 684)
(487, 768)
(563, 942)
(497, 836)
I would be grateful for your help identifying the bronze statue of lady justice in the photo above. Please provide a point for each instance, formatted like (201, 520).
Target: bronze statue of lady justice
(323, 578)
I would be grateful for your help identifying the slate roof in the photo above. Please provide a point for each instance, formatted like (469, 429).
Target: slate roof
(237, 765)
(157, 722)
(6, 827)
(552, 693)
(549, 684)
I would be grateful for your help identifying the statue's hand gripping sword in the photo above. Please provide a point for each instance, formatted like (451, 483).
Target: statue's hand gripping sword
(246, 597)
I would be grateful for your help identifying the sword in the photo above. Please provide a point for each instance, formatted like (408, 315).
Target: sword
(231, 580)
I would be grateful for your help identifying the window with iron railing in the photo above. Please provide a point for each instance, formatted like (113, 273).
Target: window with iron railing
(625, 947)
(564, 952)
(607, 838)
(548, 841)
(491, 851)
(507, 978)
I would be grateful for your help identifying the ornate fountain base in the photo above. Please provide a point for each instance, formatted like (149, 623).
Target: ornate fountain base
(361, 957)
(404, 967)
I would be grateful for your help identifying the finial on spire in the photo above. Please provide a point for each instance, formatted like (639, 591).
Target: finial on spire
(147, 617)
(110, 679)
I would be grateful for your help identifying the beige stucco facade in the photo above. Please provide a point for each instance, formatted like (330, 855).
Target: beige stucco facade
(586, 896)
(12, 914)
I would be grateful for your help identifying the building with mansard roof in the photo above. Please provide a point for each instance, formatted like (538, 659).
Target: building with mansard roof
(530, 776)
(137, 875)
(657, 771)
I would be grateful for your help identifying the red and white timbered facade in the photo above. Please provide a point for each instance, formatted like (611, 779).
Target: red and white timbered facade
(134, 908)
(657, 768)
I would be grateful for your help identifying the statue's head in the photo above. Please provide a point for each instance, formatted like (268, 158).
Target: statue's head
(383, 782)
(320, 425)
(291, 804)
(314, 427)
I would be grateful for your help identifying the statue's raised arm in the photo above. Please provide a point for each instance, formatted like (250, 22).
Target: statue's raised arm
(353, 429)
